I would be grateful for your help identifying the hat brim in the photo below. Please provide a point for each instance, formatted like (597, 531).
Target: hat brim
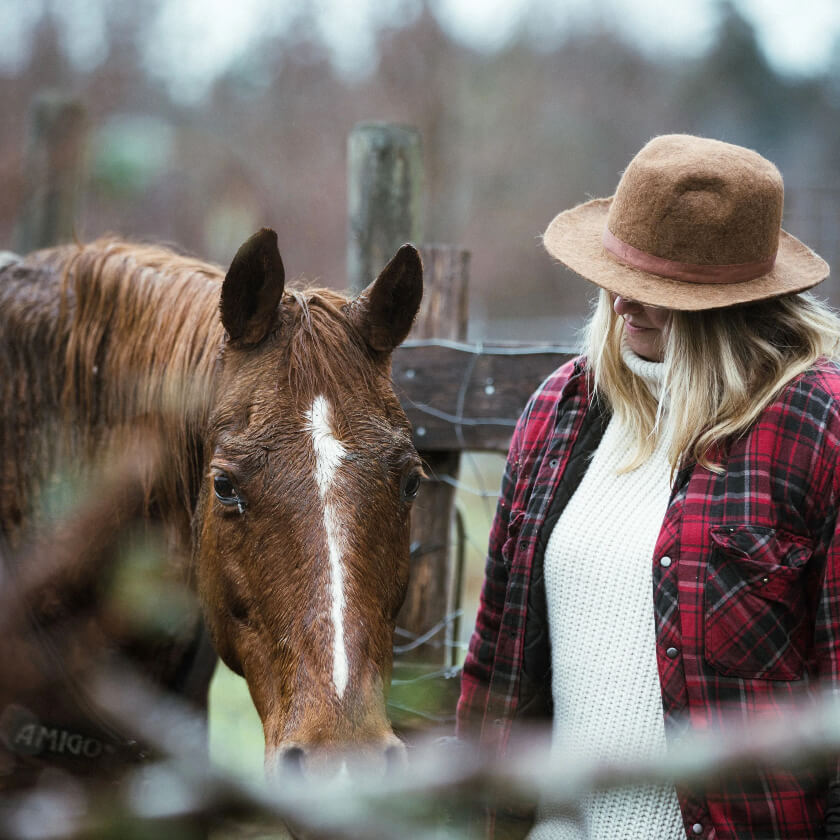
(574, 238)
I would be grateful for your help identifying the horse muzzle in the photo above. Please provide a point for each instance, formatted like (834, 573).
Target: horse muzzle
(296, 759)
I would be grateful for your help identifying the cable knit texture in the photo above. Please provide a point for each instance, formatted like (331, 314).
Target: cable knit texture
(607, 703)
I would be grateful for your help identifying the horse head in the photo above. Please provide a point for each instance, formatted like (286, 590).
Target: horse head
(301, 531)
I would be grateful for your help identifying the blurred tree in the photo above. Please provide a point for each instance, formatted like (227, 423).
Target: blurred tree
(511, 136)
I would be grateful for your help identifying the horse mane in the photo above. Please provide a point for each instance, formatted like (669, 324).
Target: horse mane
(143, 337)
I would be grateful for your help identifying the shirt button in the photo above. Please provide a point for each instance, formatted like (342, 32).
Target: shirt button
(665, 561)
(553, 463)
(672, 653)
(697, 828)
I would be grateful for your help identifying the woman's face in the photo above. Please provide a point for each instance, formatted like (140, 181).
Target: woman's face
(644, 327)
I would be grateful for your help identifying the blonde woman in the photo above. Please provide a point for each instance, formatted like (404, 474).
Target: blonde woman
(666, 554)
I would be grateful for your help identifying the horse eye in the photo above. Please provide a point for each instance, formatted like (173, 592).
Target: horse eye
(225, 491)
(411, 486)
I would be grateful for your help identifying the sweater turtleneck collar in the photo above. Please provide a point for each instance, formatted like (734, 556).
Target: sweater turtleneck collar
(651, 373)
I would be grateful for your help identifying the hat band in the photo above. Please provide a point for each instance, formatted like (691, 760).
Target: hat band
(689, 272)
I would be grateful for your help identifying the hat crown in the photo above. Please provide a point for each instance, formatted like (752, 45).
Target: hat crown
(699, 201)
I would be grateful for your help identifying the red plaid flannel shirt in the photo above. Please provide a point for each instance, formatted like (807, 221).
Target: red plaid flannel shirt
(750, 601)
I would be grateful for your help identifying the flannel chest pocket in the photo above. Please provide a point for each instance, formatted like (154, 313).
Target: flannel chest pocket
(755, 605)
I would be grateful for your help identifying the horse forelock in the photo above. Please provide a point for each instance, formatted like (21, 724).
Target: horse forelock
(327, 352)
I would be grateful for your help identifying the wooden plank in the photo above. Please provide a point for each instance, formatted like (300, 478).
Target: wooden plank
(428, 601)
(462, 396)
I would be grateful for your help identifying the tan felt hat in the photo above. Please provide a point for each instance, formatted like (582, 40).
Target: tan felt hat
(694, 224)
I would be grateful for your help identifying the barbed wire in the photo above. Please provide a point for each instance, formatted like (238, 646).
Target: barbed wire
(448, 673)
(480, 348)
(424, 638)
(475, 351)
(466, 488)
(460, 421)
(456, 418)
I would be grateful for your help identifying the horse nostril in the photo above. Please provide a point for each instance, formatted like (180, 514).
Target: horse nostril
(396, 757)
(291, 760)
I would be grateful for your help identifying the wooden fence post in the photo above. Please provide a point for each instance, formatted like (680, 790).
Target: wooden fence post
(384, 197)
(53, 160)
(429, 601)
(444, 310)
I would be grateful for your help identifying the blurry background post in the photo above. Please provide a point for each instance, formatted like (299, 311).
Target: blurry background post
(53, 159)
(385, 204)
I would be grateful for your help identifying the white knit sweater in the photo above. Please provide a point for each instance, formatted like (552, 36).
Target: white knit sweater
(598, 581)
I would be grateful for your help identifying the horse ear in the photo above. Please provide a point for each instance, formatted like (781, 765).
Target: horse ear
(253, 288)
(385, 310)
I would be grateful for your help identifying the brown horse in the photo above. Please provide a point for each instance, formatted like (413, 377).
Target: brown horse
(286, 472)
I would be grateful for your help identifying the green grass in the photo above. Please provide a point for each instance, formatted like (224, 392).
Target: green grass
(236, 736)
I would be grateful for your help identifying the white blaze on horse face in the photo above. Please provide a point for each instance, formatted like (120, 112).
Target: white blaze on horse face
(329, 454)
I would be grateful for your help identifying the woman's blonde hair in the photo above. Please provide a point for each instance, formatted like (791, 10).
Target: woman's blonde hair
(722, 368)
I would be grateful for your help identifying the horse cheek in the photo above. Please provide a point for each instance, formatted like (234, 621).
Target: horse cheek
(397, 577)
(217, 545)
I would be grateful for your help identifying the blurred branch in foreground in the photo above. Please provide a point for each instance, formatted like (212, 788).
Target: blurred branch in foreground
(68, 602)
(433, 797)
(441, 784)
(66, 563)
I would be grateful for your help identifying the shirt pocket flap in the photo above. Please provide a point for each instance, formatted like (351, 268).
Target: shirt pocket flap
(755, 602)
(763, 545)
(768, 561)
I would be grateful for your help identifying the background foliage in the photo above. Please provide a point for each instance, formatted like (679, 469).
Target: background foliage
(203, 152)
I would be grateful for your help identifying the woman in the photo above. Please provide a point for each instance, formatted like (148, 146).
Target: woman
(665, 553)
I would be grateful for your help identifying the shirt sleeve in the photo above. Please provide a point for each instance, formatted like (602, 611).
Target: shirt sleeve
(478, 665)
(827, 634)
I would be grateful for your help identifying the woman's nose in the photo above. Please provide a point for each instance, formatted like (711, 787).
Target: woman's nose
(624, 306)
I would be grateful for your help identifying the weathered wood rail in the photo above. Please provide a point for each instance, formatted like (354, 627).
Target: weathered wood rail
(469, 396)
